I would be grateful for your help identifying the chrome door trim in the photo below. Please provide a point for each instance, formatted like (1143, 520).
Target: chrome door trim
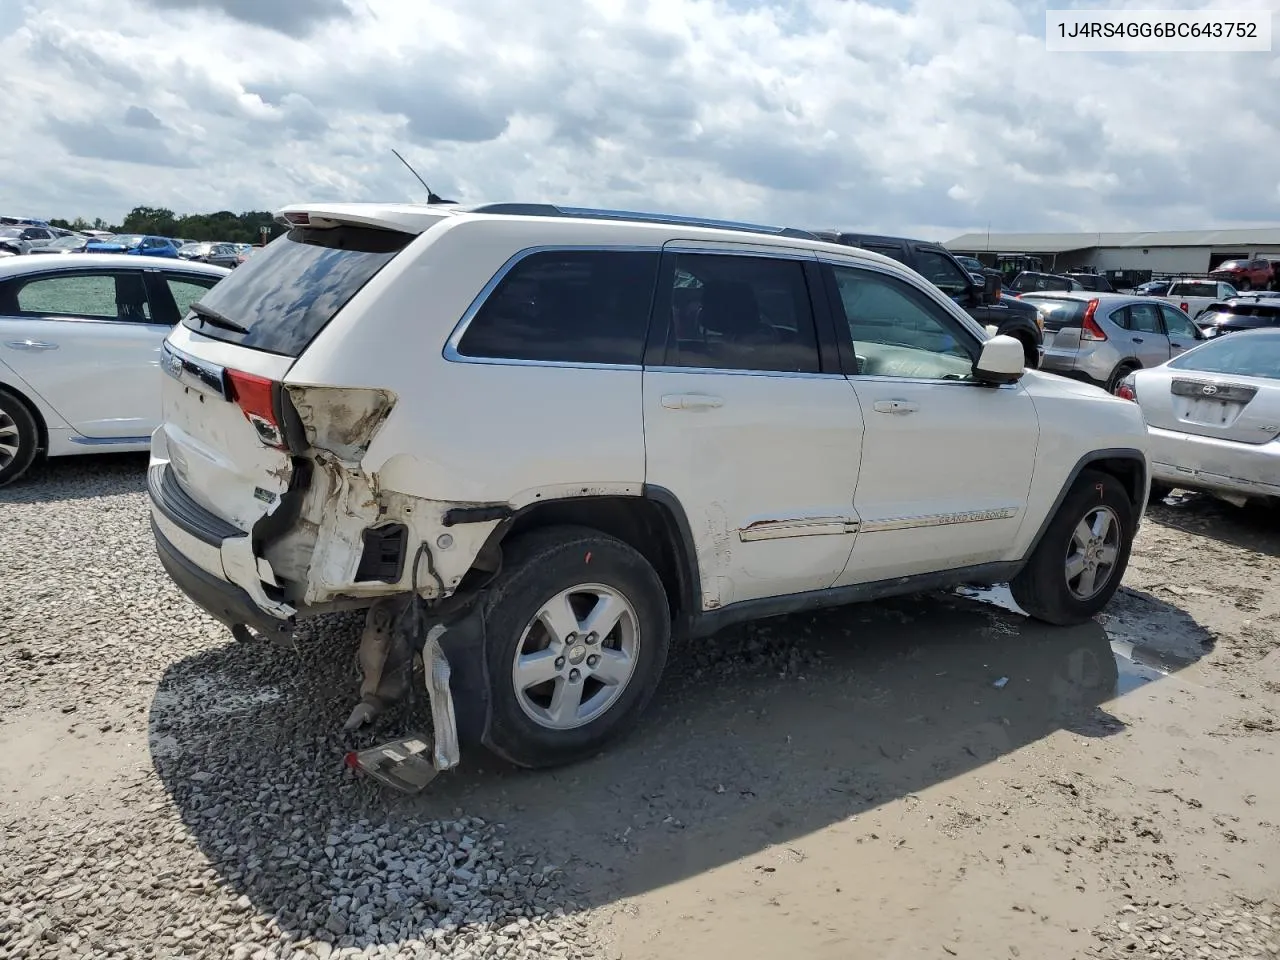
(798, 527)
(938, 519)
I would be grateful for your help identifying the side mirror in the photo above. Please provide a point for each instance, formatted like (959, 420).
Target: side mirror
(1001, 361)
(992, 289)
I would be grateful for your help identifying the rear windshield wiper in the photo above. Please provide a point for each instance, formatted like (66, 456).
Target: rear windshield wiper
(209, 315)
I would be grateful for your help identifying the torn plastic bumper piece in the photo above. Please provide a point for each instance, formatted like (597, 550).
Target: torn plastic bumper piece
(410, 763)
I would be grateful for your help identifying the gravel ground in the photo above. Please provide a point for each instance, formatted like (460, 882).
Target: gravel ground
(245, 836)
(1149, 928)
(169, 793)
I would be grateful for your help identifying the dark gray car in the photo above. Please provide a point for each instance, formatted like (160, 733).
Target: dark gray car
(218, 254)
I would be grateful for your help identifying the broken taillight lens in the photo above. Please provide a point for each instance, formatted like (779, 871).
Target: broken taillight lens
(256, 398)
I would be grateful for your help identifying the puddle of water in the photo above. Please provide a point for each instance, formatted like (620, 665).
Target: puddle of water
(1136, 663)
(998, 596)
(1135, 670)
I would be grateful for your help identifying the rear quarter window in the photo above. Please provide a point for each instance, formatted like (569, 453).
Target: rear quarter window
(578, 306)
(285, 294)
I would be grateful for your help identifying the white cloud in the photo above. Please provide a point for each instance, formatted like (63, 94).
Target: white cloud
(922, 116)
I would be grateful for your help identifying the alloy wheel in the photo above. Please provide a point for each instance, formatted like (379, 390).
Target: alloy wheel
(1092, 553)
(576, 656)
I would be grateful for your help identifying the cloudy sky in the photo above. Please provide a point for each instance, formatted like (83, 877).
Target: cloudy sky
(924, 116)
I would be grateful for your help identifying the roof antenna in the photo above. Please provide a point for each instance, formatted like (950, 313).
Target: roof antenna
(431, 196)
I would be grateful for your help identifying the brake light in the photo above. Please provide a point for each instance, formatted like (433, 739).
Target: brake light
(1183, 306)
(298, 219)
(1125, 392)
(256, 398)
(1089, 329)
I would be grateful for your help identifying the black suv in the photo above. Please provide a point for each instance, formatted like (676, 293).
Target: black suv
(1245, 312)
(939, 266)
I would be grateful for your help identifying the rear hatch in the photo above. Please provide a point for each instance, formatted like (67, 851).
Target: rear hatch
(1062, 320)
(230, 431)
(1228, 389)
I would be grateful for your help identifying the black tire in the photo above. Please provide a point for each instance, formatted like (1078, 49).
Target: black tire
(1159, 491)
(1119, 373)
(537, 567)
(1042, 588)
(15, 415)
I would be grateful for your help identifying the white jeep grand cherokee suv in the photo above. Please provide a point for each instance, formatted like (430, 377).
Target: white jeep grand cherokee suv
(538, 443)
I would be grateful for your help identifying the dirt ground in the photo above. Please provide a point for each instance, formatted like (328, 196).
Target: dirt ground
(928, 777)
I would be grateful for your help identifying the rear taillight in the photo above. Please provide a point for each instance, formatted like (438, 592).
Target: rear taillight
(1126, 389)
(256, 398)
(1183, 306)
(1089, 329)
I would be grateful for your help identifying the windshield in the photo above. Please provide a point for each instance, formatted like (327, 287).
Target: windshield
(67, 243)
(285, 294)
(1241, 354)
(11, 232)
(1232, 265)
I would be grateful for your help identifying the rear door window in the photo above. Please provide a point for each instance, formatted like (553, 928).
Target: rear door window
(1144, 318)
(741, 313)
(119, 295)
(574, 306)
(282, 297)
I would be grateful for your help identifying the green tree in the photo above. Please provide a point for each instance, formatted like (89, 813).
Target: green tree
(156, 220)
(223, 225)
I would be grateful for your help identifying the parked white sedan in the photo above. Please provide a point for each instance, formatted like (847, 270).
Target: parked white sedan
(80, 340)
(1213, 415)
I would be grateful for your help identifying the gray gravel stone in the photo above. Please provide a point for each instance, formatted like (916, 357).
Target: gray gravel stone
(244, 836)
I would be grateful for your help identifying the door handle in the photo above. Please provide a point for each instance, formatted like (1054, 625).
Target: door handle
(1137, 340)
(895, 406)
(690, 401)
(31, 345)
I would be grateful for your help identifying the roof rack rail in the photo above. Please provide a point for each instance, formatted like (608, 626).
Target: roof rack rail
(588, 213)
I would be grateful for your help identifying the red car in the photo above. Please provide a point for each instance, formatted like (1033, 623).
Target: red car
(1245, 274)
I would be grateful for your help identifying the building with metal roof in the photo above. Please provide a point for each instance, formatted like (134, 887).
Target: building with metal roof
(1164, 251)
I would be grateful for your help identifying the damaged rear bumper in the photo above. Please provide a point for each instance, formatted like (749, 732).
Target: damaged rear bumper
(223, 601)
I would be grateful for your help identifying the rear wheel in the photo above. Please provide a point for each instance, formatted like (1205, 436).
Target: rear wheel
(577, 631)
(1244, 286)
(1120, 372)
(1159, 491)
(1078, 564)
(19, 437)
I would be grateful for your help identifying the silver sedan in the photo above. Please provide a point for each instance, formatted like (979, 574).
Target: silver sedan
(1213, 416)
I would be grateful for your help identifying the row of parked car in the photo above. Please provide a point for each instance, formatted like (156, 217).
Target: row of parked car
(23, 239)
(779, 420)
